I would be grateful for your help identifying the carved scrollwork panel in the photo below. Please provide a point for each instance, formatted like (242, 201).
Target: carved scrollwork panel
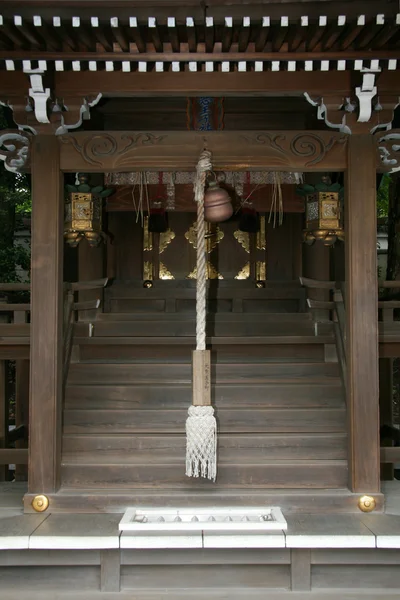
(179, 150)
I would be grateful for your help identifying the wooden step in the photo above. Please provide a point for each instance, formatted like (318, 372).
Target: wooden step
(251, 396)
(118, 374)
(111, 350)
(112, 449)
(185, 327)
(330, 420)
(270, 474)
(216, 317)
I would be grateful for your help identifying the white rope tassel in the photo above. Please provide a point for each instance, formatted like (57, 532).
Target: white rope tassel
(201, 426)
(201, 442)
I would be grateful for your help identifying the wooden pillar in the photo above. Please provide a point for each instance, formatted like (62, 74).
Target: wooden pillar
(46, 316)
(361, 313)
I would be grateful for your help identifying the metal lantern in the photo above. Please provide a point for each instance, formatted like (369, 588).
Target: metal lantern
(323, 212)
(217, 204)
(83, 212)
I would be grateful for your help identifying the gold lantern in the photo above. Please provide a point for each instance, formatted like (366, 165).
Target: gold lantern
(83, 212)
(324, 221)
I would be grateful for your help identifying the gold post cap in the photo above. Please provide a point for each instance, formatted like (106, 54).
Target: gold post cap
(367, 503)
(40, 503)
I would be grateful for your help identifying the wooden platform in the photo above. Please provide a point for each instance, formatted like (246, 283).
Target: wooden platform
(72, 556)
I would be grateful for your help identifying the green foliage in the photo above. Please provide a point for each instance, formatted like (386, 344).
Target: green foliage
(15, 201)
(382, 197)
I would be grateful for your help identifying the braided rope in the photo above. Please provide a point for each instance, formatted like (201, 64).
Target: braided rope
(203, 166)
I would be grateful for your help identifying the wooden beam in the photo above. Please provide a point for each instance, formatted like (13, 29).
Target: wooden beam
(361, 312)
(118, 83)
(209, 55)
(47, 312)
(232, 150)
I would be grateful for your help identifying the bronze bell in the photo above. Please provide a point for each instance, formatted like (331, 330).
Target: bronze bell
(217, 204)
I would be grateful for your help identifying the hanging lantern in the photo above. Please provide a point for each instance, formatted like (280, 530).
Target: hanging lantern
(83, 212)
(217, 204)
(324, 220)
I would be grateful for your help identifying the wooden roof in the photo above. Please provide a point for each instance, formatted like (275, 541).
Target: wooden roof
(177, 36)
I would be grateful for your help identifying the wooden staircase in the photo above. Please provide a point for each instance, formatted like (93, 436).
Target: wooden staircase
(279, 405)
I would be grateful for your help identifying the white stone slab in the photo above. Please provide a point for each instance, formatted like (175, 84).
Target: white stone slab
(386, 528)
(73, 532)
(161, 541)
(15, 530)
(222, 539)
(328, 531)
(261, 519)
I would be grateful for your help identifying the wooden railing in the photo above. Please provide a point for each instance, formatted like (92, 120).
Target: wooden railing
(336, 311)
(18, 332)
(70, 308)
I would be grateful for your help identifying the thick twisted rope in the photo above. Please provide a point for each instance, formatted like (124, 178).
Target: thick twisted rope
(203, 166)
(201, 426)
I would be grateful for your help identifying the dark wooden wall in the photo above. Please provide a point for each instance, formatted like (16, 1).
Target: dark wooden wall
(169, 113)
(283, 248)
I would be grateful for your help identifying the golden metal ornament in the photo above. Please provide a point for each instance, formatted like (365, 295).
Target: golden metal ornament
(147, 270)
(40, 503)
(163, 272)
(147, 236)
(261, 270)
(165, 239)
(147, 284)
(212, 273)
(243, 237)
(261, 239)
(244, 273)
(367, 503)
(213, 236)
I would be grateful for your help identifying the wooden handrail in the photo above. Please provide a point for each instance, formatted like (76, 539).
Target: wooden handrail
(320, 304)
(388, 284)
(15, 287)
(14, 307)
(337, 307)
(390, 454)
(87, 285)
(316, 284)
(13, 456)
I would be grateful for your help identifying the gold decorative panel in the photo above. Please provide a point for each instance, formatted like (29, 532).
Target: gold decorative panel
(261, 235)
(243, 237)
(261, 270)
(147, 236)
(165, 239)
(213, 236)
(212, 272)
(244, 273)
(163, 272)
(147, 270)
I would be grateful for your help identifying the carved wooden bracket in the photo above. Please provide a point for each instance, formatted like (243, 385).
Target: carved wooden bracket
(389, 150)
(41, 111)
(14, 149)
(366, 112)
